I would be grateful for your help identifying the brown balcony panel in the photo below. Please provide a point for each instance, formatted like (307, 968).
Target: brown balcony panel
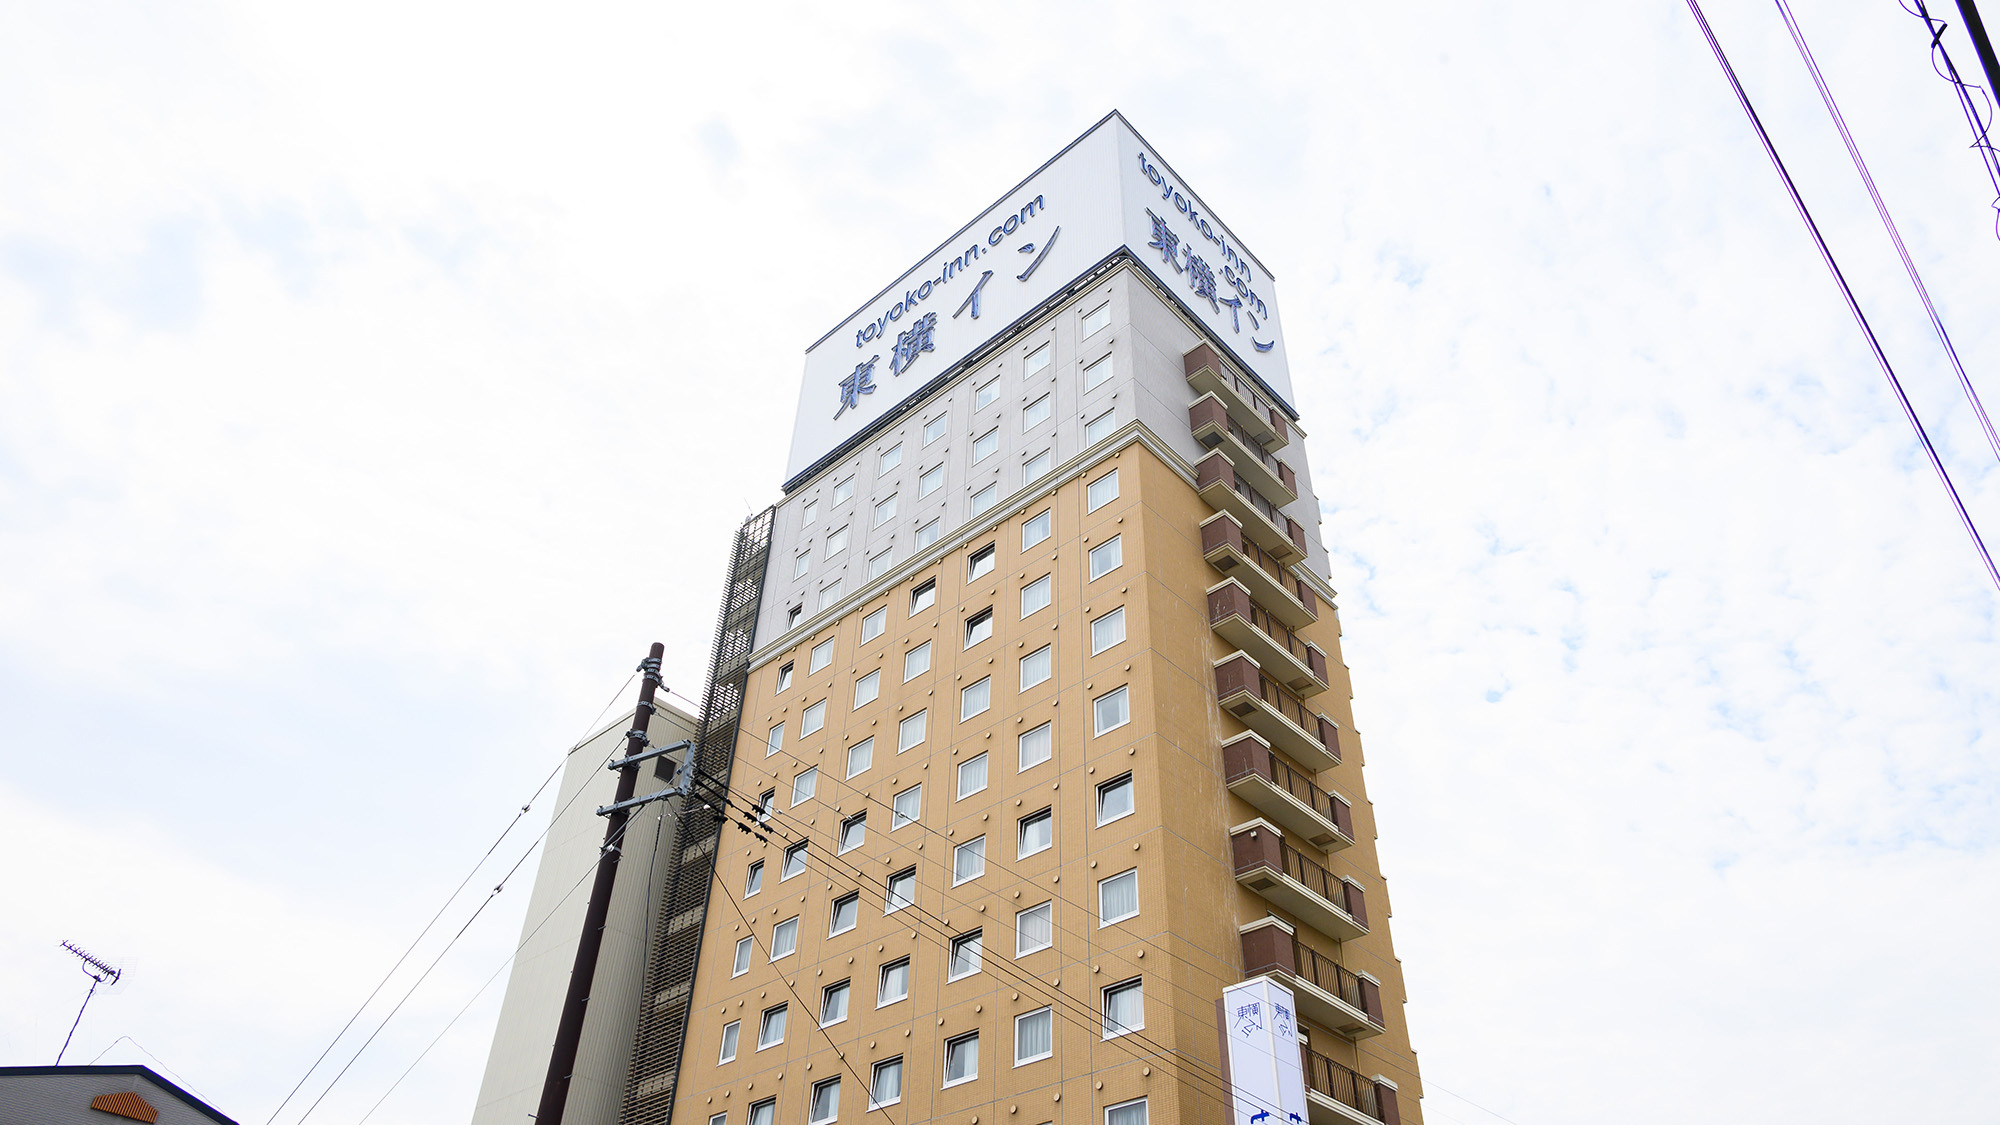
(1277, 715)
(1330, 995)
(1217, 482)
(1287, 596)
(1284, 877)
(1241, 622)
(1284, 794)
(1213, 428)
(1207, 374)
(1336, 1095)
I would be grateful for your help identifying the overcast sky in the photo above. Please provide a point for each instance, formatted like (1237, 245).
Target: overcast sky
(377, 380)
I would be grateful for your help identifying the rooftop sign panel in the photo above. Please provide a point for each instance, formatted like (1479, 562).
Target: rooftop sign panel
(1108, 191)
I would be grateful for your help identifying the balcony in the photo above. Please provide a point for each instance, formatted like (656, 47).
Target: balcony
(1285, 594)
(1283, 655)
(1336, 1095)
(1341, 1001)
(1214, 429)
(1284, 877)
(1216, 479)
(1258, 416)
(1267, 707)
(1286, 795)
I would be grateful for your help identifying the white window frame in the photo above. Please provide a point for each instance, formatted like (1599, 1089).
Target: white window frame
(951, 1044)
(882, 982)
(801, 563)
(830, 593)
(868, 689)
(977, 938)
(764, 1022)
(897, 818)
(1039, 359)
(1131, 799)
(875, 1082)
(857, 821)
(1100, 427)
(778, 929)
(936, 428)
(866, 746)
(1145, 1116)
(1047, 1013)
(981, 760)
(1047, 658)
(885, 510)
(732, 1038)
(924, 592)
(985, 445)
(986, 394)
(1116, 546)
(984, 499)
(921, 723)
(1097, 373)
(1101, 315)
(802, 849)
(744, 948)
(813, 719)
(1038, 466)
(975, 699)
(820, 656)
(1021, 833)
(811, 511)
(784, 676)
(921, 656)
(1098, 730)
(982, 562)
(1114, 619)
(846, 1006)
(1102, 918)
(764, 1112)
(890, 897)
(928, 531)
(1093, 498)
(833, 926)
(875, 624)
(930, 480)
(812, 1103)
(982, 619)
(753, 879)
(1020, 757)
(1137, 984)
(836, 541)
(774, 740)
(890, 458)
(843, 490)
(808, 780)
(1021, 946)
(1042, 522)
(1045, 404)
(980, 843)
(1041, 591)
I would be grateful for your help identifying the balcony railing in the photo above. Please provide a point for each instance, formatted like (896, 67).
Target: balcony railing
(1214, 428)
(1267, 864)
(1269, 708)
(1234, 614)
(1364, 996)
(1218, 483)
(1343, 1086)
(1253, 411)
(1326, 993)
(1285, 793)
(1271, 582)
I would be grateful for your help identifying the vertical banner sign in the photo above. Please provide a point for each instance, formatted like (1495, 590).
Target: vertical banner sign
(1266, 1078)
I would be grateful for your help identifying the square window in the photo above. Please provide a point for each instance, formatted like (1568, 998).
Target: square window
(978, 627)
(774, 741)
(785, 676)
(968, 861)
(1097, 374)
(1107, 556)
(1037, 745)
(931, 481)
(891, 457)
(1107, 630)
(730, 1032)
(1037, 466)
(1124, 1009)
(784, 939)
(795, 860)
(980, 562)
(793, 614)
(765, 804)
(1124, 1113)
(916, 662)
(764, 1112)
(971, 776)
(961, 1059)
(1035, 667)
(853, 832)
(902, 891)
(1118, 897)
(895, 983)
(825, 1102)
(846, 912)
(1034, 1036)
(879, 566)
(843, 492)
(1097, 319)
(1036, 529)
(813, 719)
(743, 947)
(860, 756)
(800, 563)
(1100, 427)
(836, 542)
(1037, 833)
(1102, 491)
(1034, 929)
(985, 445)
(974, 699)
(804, 785)
(753, 880)
(1038, 359)
(812, 513)
(908, 807)
(718, 1119)
(830, 594)
(771, 1030)
(1037, 412)
(910, 731)
(985, 498)
(1111, 711)
(833, 1004)
(1114, 799)
(885, 510)
(934, 429)
(867, 688)
(965, 952)
(924, 596)
(927, 533)
(985, 396)
(1035, 596)
(886, 1084)
(822, 655)
(875, 624)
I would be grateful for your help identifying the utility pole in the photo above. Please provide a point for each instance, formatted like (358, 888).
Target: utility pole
(569, 1030)
(1981, 44)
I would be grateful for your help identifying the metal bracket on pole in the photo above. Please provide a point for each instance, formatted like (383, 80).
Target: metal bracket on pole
(679, 789)
(653, 753)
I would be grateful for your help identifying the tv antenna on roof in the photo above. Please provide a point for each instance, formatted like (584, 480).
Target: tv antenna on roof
(99, 973)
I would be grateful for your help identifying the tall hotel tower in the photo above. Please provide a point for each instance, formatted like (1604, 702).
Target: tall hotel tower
(1029, 784)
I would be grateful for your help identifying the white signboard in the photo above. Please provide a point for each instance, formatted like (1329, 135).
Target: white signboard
(1266, 1077)
(1108, 190)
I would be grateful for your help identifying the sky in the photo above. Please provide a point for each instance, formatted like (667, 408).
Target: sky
(378, 380)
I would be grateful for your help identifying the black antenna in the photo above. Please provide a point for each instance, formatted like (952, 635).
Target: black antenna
(99, 973)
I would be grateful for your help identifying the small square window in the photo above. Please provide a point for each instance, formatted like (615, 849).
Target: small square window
(1037, 745)
(879, 565)
(985, 445)
(980, 562)
(927, 532)
(875, 624)
(931, 481)
(971, 776)
(1114, 799)
(886, 1084)
(1118, 897)
(867, 688)
(916, 662)
(1102, 491)
(804, 786)
(1034, 1036)
(965, 951)
(793, 615)
(1037, 412)
(1037, 360)
(795, 860)
(830, 594)
(902, 891)
(775, 740)
(718, 1119)
(846, 912)
(1035, 596)
(891, 457)
(974, 699)
(934, 429)
(765, 804)
(833, 1004)
(895, 984)
(822, 655)
(1111, 711)
(968, 861)
(813, 719)
(801, 562)
(908, 807)
(860, 756)
(978, 627)
(843, 492)
(1037, 833)
(1124, 1009)
(985, 396)
(985, 498)
(1097, 374)
(1107, 556)
(924, 596)
(753, 880)
(1035, 667)
(771, 1030)
(811, 513)
(764, 1112)
(885, 510)
(836, 542)
(743, 947)
(853, 832)
(1036, 529)
(1038, 466)
(1097, 319)
(784, 939)
(1124, 1113)
(825, 1102)
(961, 1059)
(730, 1032)
(1034, 929)
(1100, 427)
(785, 676)
(1107, 630)
(910, 731)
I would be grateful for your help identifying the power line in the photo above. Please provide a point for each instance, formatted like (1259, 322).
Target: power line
(1989, 159)
(1853, 305)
